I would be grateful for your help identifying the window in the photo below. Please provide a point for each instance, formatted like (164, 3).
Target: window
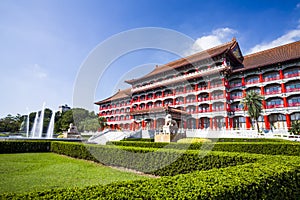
(253, 79)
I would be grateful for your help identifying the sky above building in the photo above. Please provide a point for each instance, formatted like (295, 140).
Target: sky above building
(44, 43)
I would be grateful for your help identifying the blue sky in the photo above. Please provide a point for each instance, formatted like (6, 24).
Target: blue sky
(44, 42)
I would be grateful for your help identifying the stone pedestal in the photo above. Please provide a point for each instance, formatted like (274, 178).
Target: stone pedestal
(72, 132)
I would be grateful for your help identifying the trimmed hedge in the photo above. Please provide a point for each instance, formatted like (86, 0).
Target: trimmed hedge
(270, 178)
(139, 139)
(270, 148)
(24, 146)
(161, 163)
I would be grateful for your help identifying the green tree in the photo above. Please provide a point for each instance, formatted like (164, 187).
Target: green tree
(295, 128)
(102, 122)
(252, 102)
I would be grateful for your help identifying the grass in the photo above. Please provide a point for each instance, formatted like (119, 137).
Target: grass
(40, 171)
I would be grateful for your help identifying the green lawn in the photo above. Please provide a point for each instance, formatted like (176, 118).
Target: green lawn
(39, 171)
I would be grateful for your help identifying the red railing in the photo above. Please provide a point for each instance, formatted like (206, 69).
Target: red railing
(294, 104)
(235, 85)
(292, 90)
(273, 92)
(274, 106)
(271, 78)
(291, 75)
(237, 97)
(203, 99)
(217, 97)
(252, 82)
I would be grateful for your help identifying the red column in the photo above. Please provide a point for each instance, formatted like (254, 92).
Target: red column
(267, 123)
(285, 103)
(230, 123)
(281, 74)
(283, 88)
(211, 123)
(208, 84)
(264, 104)
(243, 81)
(262, 90)
(197, 123)
(248, 123)
(261, 78)
(225, 106)
(226, 122)
(162, 94)
(184, 100)
(288, 120)
(154, 124)
(202, 123)
(244, 93)
(184, 124)
(196, 87)
(174, 101)
(210, 107)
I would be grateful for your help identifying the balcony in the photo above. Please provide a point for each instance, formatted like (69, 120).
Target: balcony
(271, 78)
(202, 88)
(216, 85)
(274, 106)
(294, 104)
(191, 101)
(203, 111)
(235, 85)
(218, 109)
(292, 90)
(203, 99)
(236, 109)
(217, 97)
(252, 82)
(291, 75)
(273, 92)
(236, 97)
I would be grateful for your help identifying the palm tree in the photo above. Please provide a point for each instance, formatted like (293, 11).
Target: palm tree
(102, 122)
(253, 102)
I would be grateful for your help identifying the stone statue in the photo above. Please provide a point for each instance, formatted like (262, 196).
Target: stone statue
(170, 126)
(72, 132)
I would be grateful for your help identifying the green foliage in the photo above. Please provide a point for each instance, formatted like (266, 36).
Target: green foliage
(139, 139)
(24, 146)
(270, 148)
(295, 128)
(268, 178)
(102, 122)
(193, 175)
(253, 102)
(11, 123)
(83, 119)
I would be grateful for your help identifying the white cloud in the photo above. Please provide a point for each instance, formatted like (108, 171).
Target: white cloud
(290, 36)
(217, 37)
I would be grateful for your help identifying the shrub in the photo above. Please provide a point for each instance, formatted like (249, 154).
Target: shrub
(295, 128)
(24, 146)
(273, 177)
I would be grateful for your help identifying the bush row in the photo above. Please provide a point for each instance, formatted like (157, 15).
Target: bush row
(161, 162)
(24, 146)
(270, 148)
(139, 139)
(269, 178)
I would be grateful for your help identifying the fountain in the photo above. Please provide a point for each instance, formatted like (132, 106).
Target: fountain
(33, 130)
(51, 126)
(41, 122)
(27, 126)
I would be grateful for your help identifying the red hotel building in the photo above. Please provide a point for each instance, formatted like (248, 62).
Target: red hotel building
(206, 89)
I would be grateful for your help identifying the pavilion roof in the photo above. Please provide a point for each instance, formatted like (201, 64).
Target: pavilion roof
(126, 93)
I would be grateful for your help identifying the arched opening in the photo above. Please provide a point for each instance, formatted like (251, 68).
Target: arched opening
(239, 122)
(276, 102)
(237, 82)
(272, 89)
(270, 76)
(204, 123)
(277, 121)
(294, 101)
(252, 79)
(191, 123)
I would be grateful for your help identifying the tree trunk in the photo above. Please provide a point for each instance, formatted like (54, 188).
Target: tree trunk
(257, 125)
